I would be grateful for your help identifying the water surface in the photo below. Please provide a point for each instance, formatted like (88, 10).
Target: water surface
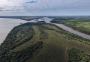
(66, 28)
(6, 25)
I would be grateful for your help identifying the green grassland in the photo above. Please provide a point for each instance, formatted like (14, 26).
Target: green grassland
(46, 43)
(83, 26)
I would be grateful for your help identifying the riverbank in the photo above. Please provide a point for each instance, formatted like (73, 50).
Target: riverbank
(71, 30)
(6, 25)
(82, 26)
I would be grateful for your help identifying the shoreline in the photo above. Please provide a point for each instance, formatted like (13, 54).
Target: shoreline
(6, 25)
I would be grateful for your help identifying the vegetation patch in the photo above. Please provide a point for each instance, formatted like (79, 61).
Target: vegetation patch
(76, 55)
(83, 26)
(42, 43)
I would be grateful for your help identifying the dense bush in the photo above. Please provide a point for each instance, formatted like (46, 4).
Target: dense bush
(16, 37)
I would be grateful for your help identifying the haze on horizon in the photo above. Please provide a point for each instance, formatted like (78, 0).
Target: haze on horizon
(44, 7)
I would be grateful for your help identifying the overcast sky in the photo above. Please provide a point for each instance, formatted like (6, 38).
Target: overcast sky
(44, 7)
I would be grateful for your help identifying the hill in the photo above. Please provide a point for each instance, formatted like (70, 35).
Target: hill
(35, 42)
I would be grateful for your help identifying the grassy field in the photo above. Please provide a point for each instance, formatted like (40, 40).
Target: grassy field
(83, 26)
(51, 44)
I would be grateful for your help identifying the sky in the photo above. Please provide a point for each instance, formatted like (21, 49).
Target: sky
(44, 7)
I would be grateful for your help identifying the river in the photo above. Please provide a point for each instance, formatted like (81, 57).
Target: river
(71, 30)
(6, 25)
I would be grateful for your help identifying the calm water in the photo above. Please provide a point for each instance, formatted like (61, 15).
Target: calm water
(6, 25)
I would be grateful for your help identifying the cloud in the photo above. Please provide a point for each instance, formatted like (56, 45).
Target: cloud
(43, 6)
(7, 5)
